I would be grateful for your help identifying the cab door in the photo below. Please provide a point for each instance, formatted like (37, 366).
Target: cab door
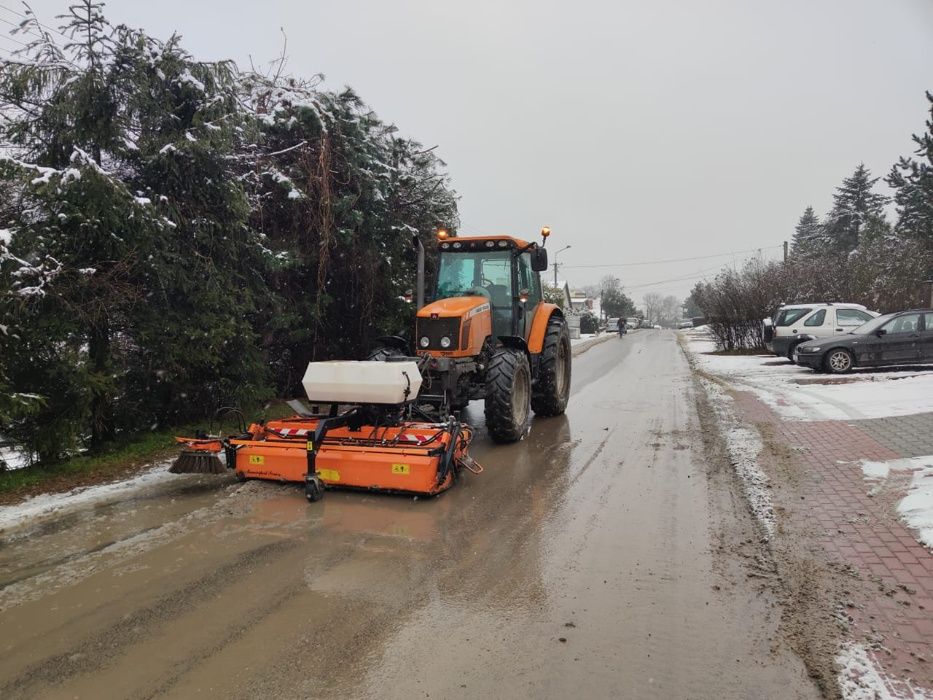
(529, 288)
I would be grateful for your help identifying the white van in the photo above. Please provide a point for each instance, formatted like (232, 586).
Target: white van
(796, 323)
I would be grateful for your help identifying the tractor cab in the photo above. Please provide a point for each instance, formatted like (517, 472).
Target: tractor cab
(500, 271)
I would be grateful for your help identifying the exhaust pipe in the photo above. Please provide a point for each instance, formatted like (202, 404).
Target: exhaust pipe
(419, 289)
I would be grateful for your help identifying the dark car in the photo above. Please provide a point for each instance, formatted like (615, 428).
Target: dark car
(902, 338)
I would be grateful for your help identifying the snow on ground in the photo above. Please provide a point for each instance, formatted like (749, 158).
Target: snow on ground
(55, 503)
(916, 508)
(799, 393)
(860, 678)
(586, 341)
(744, 445)
(583, 338)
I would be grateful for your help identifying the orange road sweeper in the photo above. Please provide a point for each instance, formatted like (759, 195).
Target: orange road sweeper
(369, 437)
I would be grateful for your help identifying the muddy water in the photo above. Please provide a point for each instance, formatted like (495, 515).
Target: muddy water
(580, 563)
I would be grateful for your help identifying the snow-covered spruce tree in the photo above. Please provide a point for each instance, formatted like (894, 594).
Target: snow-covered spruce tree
(912, 181)
(807, 235)
(131, 266)
(853, 203)
(338, 195)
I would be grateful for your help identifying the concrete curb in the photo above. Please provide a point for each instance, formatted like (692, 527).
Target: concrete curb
(584, 346)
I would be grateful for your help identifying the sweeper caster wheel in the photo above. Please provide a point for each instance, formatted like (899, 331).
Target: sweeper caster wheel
(314, 489)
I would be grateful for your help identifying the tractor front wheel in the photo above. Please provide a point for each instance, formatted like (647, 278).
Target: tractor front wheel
(552, 388)
(508, 395)
(383, 353)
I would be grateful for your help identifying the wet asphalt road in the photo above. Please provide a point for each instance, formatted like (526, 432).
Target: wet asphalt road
(581, 563)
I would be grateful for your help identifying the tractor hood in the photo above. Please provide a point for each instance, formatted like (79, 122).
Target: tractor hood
(455, 307)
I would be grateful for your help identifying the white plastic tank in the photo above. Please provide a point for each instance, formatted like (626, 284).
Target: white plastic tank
(347, 381)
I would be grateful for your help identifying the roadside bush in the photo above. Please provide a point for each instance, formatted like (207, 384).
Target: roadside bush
(589, 323)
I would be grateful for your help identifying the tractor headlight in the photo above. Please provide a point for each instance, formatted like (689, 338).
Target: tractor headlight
(425, 341)
(445, 341)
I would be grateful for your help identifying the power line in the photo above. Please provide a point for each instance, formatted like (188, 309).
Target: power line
(673, 260)
(35, 19)
(25, 31)
(706, 272)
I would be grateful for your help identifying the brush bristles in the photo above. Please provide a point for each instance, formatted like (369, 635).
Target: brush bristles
(197, 463)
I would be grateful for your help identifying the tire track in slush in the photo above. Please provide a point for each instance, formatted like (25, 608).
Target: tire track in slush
(98, 650)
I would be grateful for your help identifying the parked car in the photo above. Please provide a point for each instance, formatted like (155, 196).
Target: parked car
(797, 323)
(902, 338)
(646, 324)
(685, 324)
(612, 325)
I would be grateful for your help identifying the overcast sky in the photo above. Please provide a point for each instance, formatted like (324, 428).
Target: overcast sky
(638, 131)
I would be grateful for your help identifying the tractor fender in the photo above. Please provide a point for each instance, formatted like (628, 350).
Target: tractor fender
(396, 342)
(543, 314)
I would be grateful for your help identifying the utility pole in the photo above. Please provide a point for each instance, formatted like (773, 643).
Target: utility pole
(785, 252)
(556, 253)
(930, 282)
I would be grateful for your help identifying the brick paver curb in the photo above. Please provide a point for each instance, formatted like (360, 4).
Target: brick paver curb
(857, 527)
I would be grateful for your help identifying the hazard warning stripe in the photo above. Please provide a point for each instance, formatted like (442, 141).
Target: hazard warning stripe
(287, 432)
(417, 438)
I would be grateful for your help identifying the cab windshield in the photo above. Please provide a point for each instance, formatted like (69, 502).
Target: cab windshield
(476, 273)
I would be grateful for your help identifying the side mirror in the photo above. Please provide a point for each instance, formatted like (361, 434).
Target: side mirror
(880, 332)
(539, 259)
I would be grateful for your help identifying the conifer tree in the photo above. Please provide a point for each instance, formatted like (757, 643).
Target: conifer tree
(807, 234)
(912, 181)
(853, 203)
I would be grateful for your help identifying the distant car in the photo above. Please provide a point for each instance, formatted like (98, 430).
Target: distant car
(797, 323)
(612, 325)
(685, 324)
(902, 338)
(646, 324)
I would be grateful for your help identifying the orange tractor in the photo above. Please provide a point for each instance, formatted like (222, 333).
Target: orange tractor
(488, 334)
(392, 425)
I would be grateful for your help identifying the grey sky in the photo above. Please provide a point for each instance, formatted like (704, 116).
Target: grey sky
(637, 130)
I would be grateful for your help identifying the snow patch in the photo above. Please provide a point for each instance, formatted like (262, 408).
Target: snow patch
(916, 508)
(186, 78)
(744, 445)
(875, 470)
(54, 504)
(860, 678)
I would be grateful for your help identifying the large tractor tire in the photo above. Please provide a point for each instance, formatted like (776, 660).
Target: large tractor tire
(508, 395)
(383, 352)
(552, 390)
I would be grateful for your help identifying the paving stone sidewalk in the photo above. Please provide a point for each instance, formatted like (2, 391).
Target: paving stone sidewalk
(858, 526)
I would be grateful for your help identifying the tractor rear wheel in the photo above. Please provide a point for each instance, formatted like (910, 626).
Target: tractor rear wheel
(552, 389)
(383, 352)
(508, 395)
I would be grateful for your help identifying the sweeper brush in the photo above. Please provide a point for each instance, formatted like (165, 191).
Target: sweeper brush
(198, 457)
(366, 438)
